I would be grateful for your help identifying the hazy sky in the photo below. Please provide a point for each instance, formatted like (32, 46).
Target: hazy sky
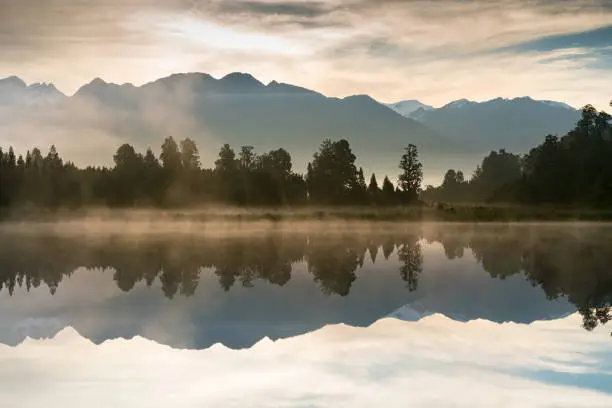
(435, 51)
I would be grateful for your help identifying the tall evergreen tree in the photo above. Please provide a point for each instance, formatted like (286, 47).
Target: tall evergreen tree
(388, 192)
(360, 189)
(361, 183)
(412, 172)
(373, 188)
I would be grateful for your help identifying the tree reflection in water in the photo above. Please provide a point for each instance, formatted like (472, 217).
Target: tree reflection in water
(565, 262)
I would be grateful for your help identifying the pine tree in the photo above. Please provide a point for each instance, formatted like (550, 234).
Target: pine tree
(361, 181)
(373, 192)
(412, 172)
(388, 191)
(373, 186)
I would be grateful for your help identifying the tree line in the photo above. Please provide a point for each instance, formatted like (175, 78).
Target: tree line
(574, 169)
(177, 178)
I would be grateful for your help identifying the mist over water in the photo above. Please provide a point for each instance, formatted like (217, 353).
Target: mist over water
(193, 284)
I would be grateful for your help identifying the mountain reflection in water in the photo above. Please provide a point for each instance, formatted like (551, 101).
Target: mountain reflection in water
(534, 272)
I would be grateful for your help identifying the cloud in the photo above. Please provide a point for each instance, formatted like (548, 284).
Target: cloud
(592, 40)
(285, 8)
(434, 50)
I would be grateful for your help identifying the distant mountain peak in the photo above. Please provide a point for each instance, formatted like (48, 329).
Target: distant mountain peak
(459, 103)
(190, 75)
(282, 87)
(360, 97)
(15, 92)
(408, 107)
(94, 86)
(410, 102)
(194, 80)
(242, 79)
(97, 81)
(13, 81)
(43, 86)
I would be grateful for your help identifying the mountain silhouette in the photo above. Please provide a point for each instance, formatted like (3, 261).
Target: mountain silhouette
(15, 92)
(515, 124)
(240, 110)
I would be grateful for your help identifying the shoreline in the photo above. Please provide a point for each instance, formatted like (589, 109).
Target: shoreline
(409, 214)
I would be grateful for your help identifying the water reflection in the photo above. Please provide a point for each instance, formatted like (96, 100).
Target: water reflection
(177, 261)
(538, 272)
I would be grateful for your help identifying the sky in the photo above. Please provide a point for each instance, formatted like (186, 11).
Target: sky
(435, 51)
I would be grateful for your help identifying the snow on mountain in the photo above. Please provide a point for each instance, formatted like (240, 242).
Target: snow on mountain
(405, 108)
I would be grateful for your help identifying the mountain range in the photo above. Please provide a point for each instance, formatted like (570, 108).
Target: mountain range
(240, 110)
(514, 124)
(14, 91)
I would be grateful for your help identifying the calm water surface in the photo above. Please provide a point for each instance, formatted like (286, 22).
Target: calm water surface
(194, 290)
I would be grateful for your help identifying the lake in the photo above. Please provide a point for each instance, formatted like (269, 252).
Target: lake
(206, 284)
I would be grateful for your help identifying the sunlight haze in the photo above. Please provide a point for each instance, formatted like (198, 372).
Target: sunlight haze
(392, 50)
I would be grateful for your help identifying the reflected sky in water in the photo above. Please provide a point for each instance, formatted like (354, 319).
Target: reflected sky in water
(193, 291)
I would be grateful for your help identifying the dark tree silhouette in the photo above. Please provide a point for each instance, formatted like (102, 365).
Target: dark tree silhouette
(388, 192)
(412, 173)
(332, 175)
(373, 189)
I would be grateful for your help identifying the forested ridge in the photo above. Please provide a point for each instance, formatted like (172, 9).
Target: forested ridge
(572, 169)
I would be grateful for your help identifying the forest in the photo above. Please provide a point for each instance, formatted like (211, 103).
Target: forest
(574, 169)
(177, 178)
